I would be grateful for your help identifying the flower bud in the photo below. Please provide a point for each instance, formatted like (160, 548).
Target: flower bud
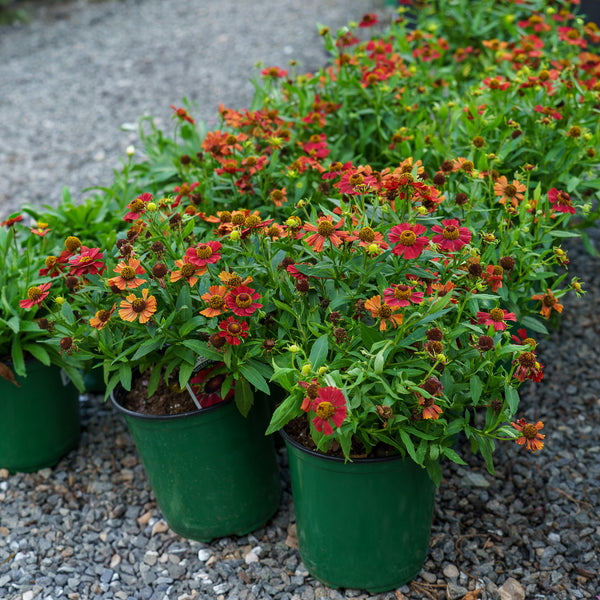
(235, 235)
(130, 150)
(322, 371)
(293, 348)
(151, 207)
(59, 300)
(306, 369)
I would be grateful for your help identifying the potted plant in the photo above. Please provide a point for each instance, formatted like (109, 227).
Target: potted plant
(168, 300)
(396, 333)
(39, 411)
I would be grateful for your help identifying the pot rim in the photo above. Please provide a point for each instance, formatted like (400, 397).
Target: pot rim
(146, 417)
(338, 459)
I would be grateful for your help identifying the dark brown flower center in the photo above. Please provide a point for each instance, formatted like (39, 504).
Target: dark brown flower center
(325, 228)
(138, 305)
(497, 314)
(225, 217)
(252, 221)
(366, 234)
(204, 251)
(385, 311)
(216, 301)
(451, 232)
(356, 179)
(527, 360)
(243, 300)
(402, 292)
(312, 391)
(234, 281)
(408, 238)
(510, 190)
(529, 431)
(325, 410)
(103, 315)
(34, 293)
(234, 328)
(549, 300)
(187, 270)
(128, 273)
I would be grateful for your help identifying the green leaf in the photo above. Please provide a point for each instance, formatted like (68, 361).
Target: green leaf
(185, 372)
(318, 352)
(410, 448)
(476, 388)
(512, 397)
(13, 323)
(283, 414)
(453, 456)
(125, 376)
(255, 378)
(486, 447)
(148, 347)
(244, 396)
(153, 381)
(16, 354)
(534, 324)
(38, 351)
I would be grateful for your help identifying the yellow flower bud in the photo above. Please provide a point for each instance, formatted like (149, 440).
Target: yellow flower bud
(59, 300)
(151, 207)
(293, 348)
(322, 371)
(306, 369)
(422, 210)
(235, 235)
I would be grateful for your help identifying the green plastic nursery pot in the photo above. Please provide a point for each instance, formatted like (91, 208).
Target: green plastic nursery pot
(214, 473)
(39, 421)
(363, 524)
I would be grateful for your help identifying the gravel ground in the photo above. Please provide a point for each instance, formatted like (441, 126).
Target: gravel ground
(78, 72)
(90, 528)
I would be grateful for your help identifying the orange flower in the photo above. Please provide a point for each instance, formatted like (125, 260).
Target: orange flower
(325, 230)
(530, 434)
(133, 307)
(509, 192)
(233, 280)
(549, 302)
(430, 409)
(384, 312)
(188, 271)
(216, 300)
(127, 275)
(101, 318)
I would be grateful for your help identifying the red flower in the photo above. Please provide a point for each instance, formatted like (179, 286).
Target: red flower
(55, 264)
(561, 201)
(528, 367)
(368, 20)
(207, 387)
(182, 114)
(233, 331)
(497, 318)
(241, 301)
(35, 295)
(274, 72)
(203, 254)
(408, 239)
(430, 409)
(41, 229)
(330, 404)
(137, 207)
(493, 275)
(401, 295)
(324, 230)
(451, 237)
(384, 312)
(11, 221)
(87, 263)
(530, 434)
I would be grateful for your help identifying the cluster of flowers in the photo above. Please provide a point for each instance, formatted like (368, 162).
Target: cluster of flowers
(378, 282)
